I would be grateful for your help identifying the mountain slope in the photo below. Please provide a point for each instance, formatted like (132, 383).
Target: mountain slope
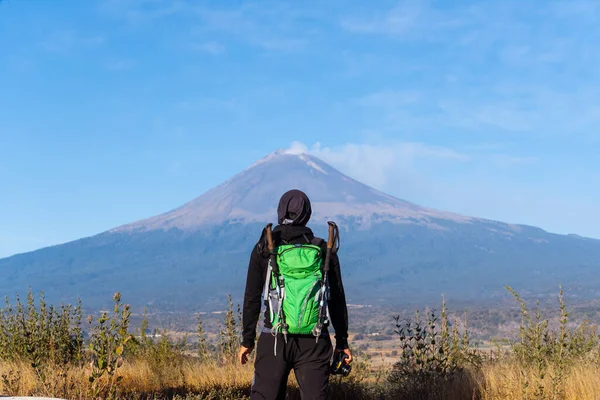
(252, 196)
(393, 251)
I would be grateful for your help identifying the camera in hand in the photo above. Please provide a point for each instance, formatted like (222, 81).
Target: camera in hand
(339, 365)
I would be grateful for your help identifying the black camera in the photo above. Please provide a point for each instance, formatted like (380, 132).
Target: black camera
(339, 366)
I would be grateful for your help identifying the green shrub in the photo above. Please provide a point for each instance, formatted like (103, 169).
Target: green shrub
(433, 354)
(549, 352)
(49, 339)
(40, 334)
(106, 350)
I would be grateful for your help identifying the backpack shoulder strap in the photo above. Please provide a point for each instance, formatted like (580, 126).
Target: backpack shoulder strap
(317, 241)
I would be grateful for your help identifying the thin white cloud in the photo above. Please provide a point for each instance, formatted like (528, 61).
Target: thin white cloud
(207, 103)
(19, 63)
(390, 99)
(507, 160)
(138, 12)
(408, 19)
(506, 200)
(589, 9)
(420, 172)
(120, 65)
(272, 27)
(214, 48)
(434, 176)
(66, 40)
(532, 109)
(297, 148)
(378, 165)
(519, 33)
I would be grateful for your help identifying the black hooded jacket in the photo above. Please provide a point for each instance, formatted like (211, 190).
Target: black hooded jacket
(255, 281)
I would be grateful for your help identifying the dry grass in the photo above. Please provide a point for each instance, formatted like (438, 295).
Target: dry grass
(42, 353)
(141, 379)
(494, 381)
(141, 376)
(506, 380)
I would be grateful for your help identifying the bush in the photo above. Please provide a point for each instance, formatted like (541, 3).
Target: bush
(432, 356)
(47, 339)
(551, 353)
(40, 334)
(107, 345)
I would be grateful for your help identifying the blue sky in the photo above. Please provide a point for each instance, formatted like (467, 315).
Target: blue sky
(112, 111)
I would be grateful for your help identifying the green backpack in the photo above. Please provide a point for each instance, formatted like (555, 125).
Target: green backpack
(298, 295)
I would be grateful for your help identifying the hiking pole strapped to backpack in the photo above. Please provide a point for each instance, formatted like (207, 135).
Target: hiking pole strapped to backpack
(279, 286)
(333, 239)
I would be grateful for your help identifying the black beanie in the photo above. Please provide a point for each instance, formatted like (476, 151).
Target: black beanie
(294, 208)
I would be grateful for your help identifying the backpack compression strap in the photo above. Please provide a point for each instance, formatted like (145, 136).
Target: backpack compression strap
(333, 239)
(279, 282)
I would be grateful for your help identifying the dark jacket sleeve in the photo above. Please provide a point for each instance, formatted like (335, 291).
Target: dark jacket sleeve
(252, 298)
(337, 304)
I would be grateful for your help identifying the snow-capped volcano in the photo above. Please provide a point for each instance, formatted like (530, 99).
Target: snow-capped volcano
(393, 251)
(253, 194)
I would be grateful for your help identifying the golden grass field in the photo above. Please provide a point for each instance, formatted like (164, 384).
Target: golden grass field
(494, 381)
(505, 381)
(43, 352)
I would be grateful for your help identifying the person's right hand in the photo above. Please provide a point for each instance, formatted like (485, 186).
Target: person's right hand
(243, 354)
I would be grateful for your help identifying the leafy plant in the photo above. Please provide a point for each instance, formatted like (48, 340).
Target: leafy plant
(229, 334)
(432, 354)
(550, 353)
(106, 347)
(202, 348)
